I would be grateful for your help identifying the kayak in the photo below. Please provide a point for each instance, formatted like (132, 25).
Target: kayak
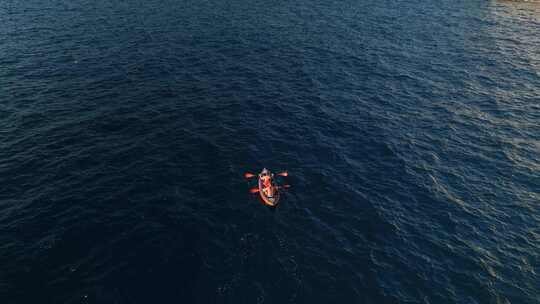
(270, 197)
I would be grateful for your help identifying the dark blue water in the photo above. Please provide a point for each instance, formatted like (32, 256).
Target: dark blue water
(411, 130)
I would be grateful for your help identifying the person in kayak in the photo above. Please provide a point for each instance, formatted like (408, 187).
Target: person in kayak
(267, 183)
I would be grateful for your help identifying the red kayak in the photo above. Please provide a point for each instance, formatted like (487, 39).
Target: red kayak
(267, 188)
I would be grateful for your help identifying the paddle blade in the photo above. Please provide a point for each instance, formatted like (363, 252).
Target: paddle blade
(285, 173)
(249, 175)
(253, 190)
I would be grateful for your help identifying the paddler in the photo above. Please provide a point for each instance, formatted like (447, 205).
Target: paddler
(267, 183)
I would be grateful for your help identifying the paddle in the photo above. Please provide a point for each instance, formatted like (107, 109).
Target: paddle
(253, 190)
(249, 175)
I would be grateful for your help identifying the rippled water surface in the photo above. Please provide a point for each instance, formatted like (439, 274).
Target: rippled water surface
(411, 130)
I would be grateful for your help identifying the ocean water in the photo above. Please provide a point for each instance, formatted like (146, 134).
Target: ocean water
(411, 131)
